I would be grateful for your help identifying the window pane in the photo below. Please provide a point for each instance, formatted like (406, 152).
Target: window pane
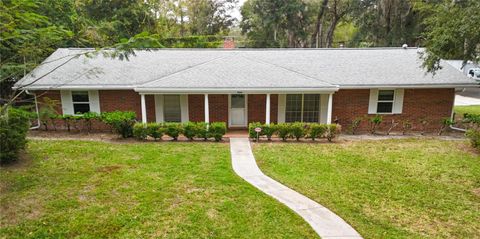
(80, 96)
(293, 110)
(384, 107)
(171, 108)
(385, 95)
(238, 101)
(311, 107)
(81, 108)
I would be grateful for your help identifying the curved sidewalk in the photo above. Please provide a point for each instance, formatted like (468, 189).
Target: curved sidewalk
(326, 223)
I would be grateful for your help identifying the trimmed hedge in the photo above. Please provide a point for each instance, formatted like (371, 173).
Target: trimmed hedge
(190, 130)
(217, 130)
(295, 130)
(14, 125)
(121, 122)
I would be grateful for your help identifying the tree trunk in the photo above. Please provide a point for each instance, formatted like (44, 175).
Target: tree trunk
(318, 27)
(331, 31)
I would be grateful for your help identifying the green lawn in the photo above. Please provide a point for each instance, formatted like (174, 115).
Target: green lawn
(141, 190)
(472, 109)
(410, 188)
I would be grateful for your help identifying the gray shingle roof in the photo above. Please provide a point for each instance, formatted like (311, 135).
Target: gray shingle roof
(244, 69)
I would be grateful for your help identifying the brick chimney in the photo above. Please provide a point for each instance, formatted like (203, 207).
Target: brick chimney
(228, 43)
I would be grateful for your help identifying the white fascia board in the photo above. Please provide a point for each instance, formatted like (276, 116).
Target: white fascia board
(79, 87)
(234, 90)
(473, 85)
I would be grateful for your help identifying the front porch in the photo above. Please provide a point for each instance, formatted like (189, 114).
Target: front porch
(239, 109)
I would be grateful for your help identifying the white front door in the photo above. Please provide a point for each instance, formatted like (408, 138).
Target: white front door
(238, 110)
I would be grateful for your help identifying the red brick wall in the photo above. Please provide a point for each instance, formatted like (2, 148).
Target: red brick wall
(218, 108)
(257, 108)
(196, 108)
(433, 104)
(126, 100)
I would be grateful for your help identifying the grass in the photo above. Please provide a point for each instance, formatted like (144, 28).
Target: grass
(472, 109)
(409, 188)
(143, 190)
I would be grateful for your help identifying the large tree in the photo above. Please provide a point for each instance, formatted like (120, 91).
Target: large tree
(453, 32)
(275, 23)
(387, 22)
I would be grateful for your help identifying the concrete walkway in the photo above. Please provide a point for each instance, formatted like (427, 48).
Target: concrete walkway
(326, 223)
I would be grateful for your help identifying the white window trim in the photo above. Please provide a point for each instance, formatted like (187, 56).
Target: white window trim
(159, 108)
(302, 107)
(397, 102)
(386, 101)
(67, 101)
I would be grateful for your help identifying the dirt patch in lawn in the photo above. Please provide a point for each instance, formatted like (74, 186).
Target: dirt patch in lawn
(476, 192)
(108, 169)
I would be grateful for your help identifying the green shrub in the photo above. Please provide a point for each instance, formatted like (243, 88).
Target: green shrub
(406, 126)
(297, 130)
(474, 136)
(317, 130)
(251, 130)
(14, 125)
(446, 122)
(173, 130)
(283, 130)
(355, 124)
(201, 130)
(88, 119)
(375, 121)
(190, 130)
(332, 131)
(121, 122)
(269, 130)
(155, 130)
(217, 130)
(67, 121)
(140, 131)
(471, 118)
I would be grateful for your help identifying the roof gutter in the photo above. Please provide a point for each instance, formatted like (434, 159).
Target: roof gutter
(234, 90)
(412, 86)
(78, 87)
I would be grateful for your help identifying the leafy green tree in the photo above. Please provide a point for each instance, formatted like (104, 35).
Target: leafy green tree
(452, 32)
(27, 38)
(275, 23)
(386, 22)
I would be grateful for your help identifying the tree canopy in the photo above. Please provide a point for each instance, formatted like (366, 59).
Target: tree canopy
(30, 30)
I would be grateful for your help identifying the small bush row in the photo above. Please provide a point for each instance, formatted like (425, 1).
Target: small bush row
(406, 125)
(190, 130)
(295, 130)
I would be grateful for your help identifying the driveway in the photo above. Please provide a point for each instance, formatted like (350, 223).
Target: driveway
(470, 96)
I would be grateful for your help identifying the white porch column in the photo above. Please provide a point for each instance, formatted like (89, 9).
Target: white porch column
(267, 111)
(329, 108)
(144, 109)
(207, 113)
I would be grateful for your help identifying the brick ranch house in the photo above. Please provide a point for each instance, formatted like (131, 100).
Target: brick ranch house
(239, 86)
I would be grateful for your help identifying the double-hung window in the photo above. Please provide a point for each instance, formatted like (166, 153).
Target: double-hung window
(302, 108)
(385, 101)
(171, 108)
(81, 102)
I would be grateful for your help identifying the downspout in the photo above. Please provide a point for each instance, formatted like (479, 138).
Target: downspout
(36, 109)
(452, 117)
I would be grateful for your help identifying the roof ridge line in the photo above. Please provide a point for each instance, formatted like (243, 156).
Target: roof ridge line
(285, 68)
(181, 70)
